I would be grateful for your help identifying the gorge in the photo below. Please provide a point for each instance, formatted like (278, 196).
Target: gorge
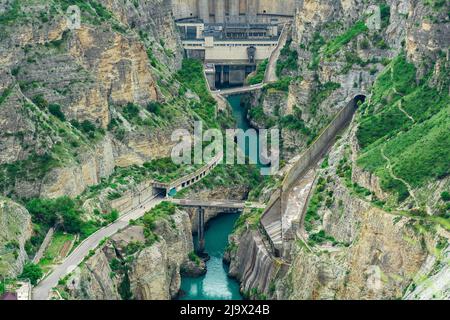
(359, 209)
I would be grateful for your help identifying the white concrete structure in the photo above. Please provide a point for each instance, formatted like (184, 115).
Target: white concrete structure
(23, 290)
(233, 10)
(203, 10)
(231, 51)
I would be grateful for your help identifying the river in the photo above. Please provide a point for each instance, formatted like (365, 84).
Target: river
(215, 284)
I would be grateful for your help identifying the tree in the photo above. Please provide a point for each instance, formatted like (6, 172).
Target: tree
(31, 272)
(87, 126)
(55, 109)
(445, 196)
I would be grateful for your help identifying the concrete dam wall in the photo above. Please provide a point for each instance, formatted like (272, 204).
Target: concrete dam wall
(218, 10)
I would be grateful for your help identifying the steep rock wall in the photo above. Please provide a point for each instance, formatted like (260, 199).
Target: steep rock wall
(126, 267)
(15, 230)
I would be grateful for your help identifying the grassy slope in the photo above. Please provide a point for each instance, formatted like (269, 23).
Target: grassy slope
(418, 150)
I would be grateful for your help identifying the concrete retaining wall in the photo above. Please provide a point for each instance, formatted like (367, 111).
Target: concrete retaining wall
(320, 145)
(133, 198)
(309, 158)
(204, 8)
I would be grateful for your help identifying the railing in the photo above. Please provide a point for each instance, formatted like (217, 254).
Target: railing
(212, 164)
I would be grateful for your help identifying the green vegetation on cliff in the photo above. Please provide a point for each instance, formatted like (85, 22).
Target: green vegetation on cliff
(63, 211)
(31, 272)
(337, 43)
(12, 13)
(191, 76)
(407, 124)
(288, 60)
(260, 72)
(164, 210)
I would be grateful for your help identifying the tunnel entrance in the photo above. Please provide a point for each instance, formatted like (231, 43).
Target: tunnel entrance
(358, 100)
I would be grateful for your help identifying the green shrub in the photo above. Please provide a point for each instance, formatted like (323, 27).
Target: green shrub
(288, 59)
(5, 94)
(385, 11)
(40, 101)
(162, 211)
(194, 258)
(320, 237)
(64, 210)
(337, 43)
(281, 84)
(445, 196)
(130, 111)
(55, 109)
(155, 107)
(260, 72)
(32, 272)
(417, 150)
(12, 13)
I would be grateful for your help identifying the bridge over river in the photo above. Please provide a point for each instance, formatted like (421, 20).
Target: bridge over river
(226, 206)
(141, 203)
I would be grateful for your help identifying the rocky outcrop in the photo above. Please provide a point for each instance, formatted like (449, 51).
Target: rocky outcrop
(128, 267)
(252, 264)
(15, 230)
(86, 76)
(154, 19)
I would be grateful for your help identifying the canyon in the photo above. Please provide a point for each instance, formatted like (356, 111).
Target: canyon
(358, 89)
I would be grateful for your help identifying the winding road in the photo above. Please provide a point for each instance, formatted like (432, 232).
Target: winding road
(43, 289)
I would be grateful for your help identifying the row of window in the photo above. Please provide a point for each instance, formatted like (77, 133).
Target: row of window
(231, 45)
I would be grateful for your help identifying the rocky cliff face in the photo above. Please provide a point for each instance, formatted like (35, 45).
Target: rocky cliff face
(128, 267)
(15, 230)
(358, 239)
(74, 102)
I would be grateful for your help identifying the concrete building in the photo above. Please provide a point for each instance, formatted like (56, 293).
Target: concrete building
(231, 36)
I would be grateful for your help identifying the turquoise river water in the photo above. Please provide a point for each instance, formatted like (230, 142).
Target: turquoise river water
(215, 284)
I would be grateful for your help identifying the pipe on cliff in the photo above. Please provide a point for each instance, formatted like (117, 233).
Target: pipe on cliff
(203, 10)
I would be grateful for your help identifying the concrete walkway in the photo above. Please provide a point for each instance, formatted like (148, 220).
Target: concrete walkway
(271, 69)
(48, 238)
